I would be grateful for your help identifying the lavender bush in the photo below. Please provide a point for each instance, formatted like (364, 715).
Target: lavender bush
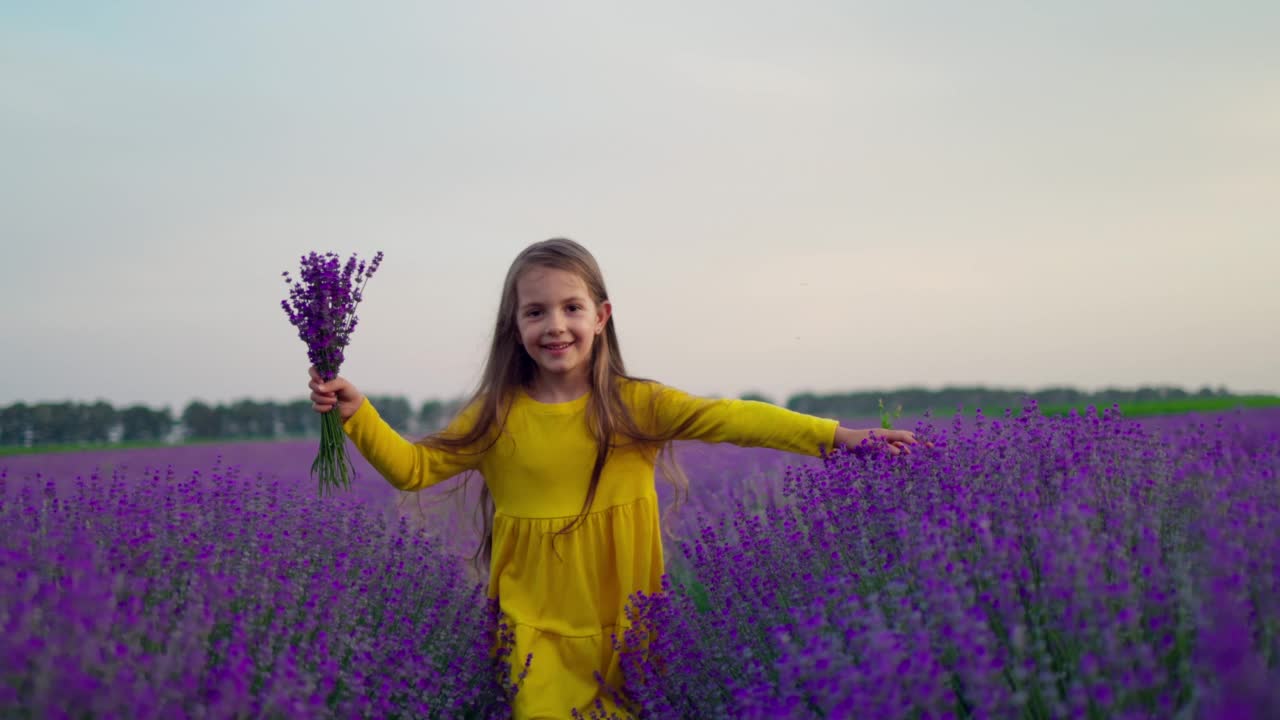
(323, 309)
(1029, 567)
(1025, 567)
(224, 596)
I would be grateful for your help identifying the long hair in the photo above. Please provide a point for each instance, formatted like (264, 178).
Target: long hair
(509, 368)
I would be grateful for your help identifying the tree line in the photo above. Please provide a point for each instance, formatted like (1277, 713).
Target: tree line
(916, 400)
(99, 422)
(27, 425)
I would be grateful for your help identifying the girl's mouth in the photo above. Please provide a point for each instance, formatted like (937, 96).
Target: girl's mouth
(557, 349)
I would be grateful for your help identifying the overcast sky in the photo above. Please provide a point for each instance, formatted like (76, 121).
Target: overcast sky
(783, 196)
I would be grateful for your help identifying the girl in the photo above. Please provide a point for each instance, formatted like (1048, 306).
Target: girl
(567, 443)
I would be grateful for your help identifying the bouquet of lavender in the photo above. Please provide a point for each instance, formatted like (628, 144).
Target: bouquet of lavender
(324, 311)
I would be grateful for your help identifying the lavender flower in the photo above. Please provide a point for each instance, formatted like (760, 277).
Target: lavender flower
(217, 593)
(322, 306)
(1028, 567)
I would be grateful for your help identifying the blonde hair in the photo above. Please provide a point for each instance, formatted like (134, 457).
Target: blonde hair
(509, 368)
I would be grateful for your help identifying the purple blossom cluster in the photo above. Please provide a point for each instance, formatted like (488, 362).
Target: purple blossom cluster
(322, 305)
(218, 595)
(1024, 567)
(324, 312)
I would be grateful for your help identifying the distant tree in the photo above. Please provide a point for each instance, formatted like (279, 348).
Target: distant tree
(100, 419)
(757, 397)
(52, 422)
(202, 421)
(250, 418)
(435, 415)
(394, 409)
(1058, 396)
(432, 416)
(430, 411)
(142, 424)
(298, 418)
(16, 421)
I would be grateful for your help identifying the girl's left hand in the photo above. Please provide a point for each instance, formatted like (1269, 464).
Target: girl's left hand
(899, 441)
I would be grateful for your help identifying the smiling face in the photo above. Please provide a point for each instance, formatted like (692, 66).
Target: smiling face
(558, 322)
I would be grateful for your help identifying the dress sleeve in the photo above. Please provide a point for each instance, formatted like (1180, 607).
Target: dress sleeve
(747, 423)
(407, 465)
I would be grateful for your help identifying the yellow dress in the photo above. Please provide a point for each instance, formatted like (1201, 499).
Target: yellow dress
(565, 604)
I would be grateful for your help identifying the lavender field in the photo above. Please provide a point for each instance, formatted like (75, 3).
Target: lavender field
(1023, 567)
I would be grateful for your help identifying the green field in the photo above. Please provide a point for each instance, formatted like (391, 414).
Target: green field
(1186, 405)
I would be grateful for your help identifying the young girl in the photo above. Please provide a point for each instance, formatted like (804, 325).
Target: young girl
(567, 443)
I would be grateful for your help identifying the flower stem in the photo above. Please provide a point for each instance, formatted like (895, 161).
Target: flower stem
(332, 469)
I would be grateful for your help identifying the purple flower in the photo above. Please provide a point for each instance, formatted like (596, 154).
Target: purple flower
(322, 307)
(1027, 567)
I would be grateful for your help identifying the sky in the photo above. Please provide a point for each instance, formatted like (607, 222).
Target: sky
(784, 198)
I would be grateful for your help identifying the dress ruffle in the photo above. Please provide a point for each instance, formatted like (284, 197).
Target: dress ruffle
(565, 604)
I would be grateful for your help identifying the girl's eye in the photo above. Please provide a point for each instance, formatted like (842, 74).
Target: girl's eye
(575, 307)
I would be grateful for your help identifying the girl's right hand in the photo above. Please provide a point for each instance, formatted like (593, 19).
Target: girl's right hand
(337, 391)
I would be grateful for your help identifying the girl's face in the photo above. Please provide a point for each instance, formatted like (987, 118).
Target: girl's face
(558, 321)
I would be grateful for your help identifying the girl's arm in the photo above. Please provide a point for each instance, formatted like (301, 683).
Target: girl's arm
(750, 423)
(407, 465)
